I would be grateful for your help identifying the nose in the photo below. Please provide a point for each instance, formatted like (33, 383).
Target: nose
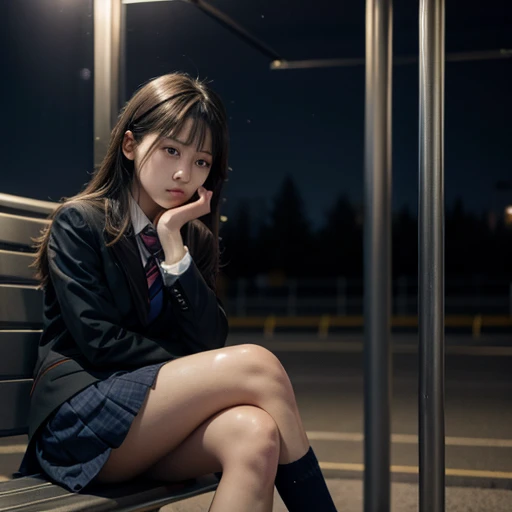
(182, 174)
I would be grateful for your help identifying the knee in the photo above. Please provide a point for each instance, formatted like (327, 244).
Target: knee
(262, 371)
(252, 441)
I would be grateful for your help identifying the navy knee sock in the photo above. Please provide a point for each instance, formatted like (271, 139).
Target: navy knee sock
(302, 487)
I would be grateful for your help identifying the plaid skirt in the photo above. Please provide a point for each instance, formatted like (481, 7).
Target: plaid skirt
(77, 440)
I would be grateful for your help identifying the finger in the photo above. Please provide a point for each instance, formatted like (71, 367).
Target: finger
(202, 192)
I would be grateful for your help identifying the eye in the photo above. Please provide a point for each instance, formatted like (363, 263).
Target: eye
(171, 149)
(204, 164)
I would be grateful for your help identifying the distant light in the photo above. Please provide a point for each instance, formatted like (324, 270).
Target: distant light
(276, 63)
(223, 218)
(85, 74)
(508, 215)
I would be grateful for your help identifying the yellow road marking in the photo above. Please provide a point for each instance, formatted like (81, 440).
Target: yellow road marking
(411, 439)
(12, 449)
(469, 321)
(356, 346)
(345, 466)
(358, 437)
(354, 437)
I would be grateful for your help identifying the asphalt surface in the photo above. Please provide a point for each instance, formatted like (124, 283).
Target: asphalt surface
(328, 384)
(348, 497)
(327, 376)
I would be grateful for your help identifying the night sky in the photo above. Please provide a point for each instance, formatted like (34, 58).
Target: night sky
(308, 123)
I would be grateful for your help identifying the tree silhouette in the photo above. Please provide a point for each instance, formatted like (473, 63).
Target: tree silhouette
(405, 244)
(464, 242)
(340, 240)
(286, 241)
(238, 243)
(282, 242)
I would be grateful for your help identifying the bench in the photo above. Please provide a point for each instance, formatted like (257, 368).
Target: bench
(21, 304)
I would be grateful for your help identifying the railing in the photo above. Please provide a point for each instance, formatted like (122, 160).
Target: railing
(340, 296)
(323, 325)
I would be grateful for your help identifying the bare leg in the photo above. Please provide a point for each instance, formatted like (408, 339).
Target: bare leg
(243, 442)
(192, 389)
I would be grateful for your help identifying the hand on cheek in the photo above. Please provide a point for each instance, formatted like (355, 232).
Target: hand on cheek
(174, 218)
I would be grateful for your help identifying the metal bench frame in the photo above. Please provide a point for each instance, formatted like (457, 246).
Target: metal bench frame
(21, 303)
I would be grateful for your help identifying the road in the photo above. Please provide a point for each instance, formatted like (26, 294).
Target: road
(328, 381)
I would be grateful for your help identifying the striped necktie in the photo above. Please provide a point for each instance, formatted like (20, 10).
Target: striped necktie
(150, 240)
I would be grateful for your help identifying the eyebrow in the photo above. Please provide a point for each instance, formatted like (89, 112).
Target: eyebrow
(182, 143)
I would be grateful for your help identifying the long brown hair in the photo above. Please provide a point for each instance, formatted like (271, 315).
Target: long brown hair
(161, 106)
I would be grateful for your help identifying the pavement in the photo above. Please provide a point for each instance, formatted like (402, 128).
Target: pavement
(348, 497)
(327, 377)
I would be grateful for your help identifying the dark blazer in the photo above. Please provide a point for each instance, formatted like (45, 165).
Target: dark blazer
(96, 307)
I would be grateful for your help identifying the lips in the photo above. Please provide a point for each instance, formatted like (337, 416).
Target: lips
(176, 191)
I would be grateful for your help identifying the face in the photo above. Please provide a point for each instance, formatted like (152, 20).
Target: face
(172, 173)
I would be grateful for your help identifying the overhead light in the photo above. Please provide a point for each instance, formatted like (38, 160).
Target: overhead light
(508, 215)
(143, 1)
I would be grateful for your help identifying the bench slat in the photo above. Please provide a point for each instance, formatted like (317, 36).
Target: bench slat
(20, 305)
(26, 205)
(131, 496)
(14, 404)
(18, 230)
(18, 353)
(14, 266)
(38, 496)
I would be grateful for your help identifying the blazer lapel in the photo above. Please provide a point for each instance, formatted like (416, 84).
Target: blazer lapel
(127, 255)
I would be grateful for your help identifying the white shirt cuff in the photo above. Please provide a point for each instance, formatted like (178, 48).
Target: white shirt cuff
(170, 273)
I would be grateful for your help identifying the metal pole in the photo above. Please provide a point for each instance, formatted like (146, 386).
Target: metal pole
(510, 301)
(107, 27)
(377, 255)
(122, 58)
(431, 257)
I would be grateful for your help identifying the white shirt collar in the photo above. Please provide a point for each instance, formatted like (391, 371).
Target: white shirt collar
(139, 218)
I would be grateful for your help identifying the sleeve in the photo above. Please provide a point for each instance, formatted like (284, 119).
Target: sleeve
(86, 303)
(170, 273)
(199, 313)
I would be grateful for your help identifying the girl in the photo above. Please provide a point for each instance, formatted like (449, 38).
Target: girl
(132, 377)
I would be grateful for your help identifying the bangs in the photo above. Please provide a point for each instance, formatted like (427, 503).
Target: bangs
(197, 134)
(169, 119)
(202, 121)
